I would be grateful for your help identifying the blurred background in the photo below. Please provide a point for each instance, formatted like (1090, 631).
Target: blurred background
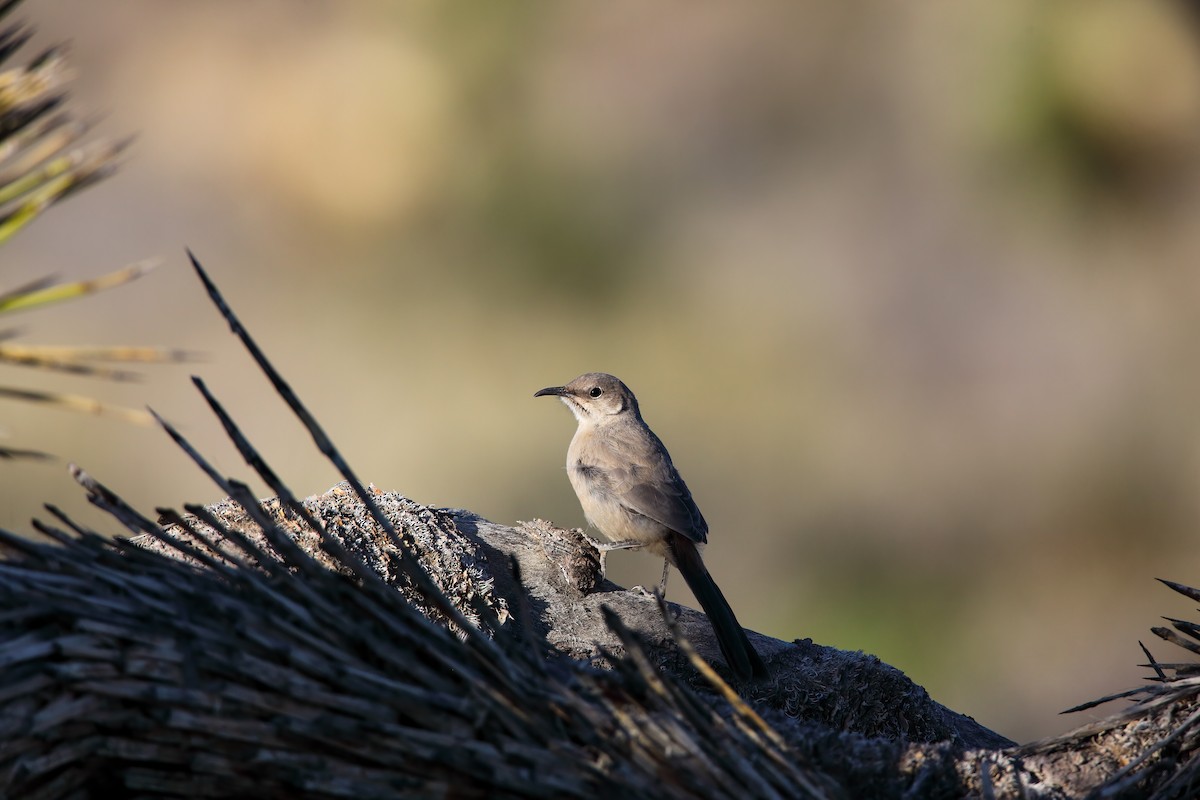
(911, 291)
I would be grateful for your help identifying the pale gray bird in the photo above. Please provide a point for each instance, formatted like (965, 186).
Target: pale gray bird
(632, 493)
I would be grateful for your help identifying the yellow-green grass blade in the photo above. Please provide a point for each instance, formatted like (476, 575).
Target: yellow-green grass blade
(77, 403)
(75, 360)
(68, 291)
(52, 181)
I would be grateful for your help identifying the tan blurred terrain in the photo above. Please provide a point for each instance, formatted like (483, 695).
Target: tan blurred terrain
(910, 291)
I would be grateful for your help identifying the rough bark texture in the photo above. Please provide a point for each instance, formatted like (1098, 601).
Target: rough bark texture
(242, 654)
(847, 691)
(469, 558)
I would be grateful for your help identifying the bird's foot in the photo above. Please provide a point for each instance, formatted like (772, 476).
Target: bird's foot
(625, 544)
(603, 549)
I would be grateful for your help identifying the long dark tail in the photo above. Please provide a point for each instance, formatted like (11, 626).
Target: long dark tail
(739, 654)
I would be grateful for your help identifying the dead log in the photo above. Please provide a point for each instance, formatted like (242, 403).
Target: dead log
(357, 644)
(213, 659)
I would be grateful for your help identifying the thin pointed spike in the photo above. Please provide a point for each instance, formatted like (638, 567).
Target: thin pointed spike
(269, 476)
(191, 452)
(420, 577)
(328, 543)
(110, 501)
(1102, 700)
(1174, 638)
(249, 454)
(56, 535)
(319, 437)
(1162, 676)
(324, 444)
(1186, 591)
(280, 540)
(1183, 626)
(1179, 666)
(62, 517)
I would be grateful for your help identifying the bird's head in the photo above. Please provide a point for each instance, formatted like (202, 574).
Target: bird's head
(594, 397)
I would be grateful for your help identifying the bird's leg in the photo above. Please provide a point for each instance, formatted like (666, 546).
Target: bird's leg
(603, 547)
(625, 544)
(660, 593)
(661, 589)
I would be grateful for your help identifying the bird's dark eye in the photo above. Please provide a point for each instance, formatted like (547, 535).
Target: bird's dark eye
(596, 391)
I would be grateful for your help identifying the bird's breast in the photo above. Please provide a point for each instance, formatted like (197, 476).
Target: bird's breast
(603, 507)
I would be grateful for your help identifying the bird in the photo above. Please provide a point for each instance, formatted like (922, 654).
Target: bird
(632, 493)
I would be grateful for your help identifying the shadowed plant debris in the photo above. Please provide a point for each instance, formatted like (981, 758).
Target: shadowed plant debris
(358, 644)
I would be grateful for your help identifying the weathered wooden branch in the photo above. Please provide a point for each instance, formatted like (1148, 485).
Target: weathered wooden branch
(560, 583)
(357, 644)
(213, 659)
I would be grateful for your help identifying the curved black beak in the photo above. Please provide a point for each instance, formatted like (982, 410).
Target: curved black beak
(557, 391)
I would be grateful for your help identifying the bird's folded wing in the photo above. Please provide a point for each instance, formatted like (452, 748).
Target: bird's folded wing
(667, 502)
